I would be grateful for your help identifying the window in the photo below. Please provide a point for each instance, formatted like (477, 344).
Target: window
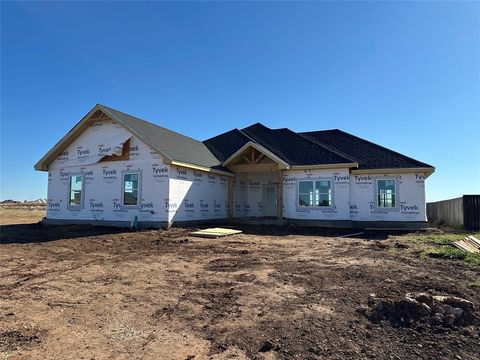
(323, 193)
(75, 196)
(305, 193)
(386, 193)
(130, 189)
(314, 193)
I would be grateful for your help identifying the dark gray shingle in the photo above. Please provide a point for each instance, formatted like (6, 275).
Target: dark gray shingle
(367, 154)
(293, 148)
(176, 146)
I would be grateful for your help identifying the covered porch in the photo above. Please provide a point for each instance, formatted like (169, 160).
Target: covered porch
(255, 193)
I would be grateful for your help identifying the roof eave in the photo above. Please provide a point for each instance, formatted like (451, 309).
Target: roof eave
(426, 170)
(44, 163)
(325, 166)
(49, 157)
(200, 168)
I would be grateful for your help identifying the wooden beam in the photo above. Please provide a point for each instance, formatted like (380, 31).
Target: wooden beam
(257, 160)
(280, 195)
(230, 198)
(246, 158)
(252, 156)
(253, 167)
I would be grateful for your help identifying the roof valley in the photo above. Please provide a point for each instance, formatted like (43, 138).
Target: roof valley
(328, 148)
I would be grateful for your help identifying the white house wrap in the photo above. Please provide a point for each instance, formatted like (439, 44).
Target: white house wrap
(115, 169)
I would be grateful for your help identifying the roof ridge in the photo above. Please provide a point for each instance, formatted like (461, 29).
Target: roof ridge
(256, 124)
(325, 147)
(264, 144)
(226, 132)
(248, 136)
(376, 145)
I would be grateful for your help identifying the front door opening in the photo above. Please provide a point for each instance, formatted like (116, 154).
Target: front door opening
(270, 201)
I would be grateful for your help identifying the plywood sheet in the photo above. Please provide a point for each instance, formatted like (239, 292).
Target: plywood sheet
(215, 232)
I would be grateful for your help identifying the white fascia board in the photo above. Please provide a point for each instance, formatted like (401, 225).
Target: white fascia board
(200, 168)
(428, 171)
(324, 166)
(44, 162)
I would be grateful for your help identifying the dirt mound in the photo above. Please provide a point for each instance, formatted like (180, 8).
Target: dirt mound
(436, 310)
(14, 339)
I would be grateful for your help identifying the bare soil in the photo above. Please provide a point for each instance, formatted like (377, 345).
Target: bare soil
(76, 292)
(19, 214)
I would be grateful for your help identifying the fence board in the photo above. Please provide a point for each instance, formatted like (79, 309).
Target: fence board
(471, 212)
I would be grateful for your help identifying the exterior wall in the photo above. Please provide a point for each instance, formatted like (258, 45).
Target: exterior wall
(340, 195)
(102, 182)
(196, 195)
(248, 193)
(355, 197)
(240, 200)
(410, 198)
(171, 194)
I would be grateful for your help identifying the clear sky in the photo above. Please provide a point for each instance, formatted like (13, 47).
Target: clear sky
(401, 74)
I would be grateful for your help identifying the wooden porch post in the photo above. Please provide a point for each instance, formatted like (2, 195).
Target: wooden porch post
(280, 195)
(230, 198)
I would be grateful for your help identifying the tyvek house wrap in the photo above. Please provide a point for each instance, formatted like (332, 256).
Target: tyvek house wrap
(354, 197)
(339, 208)
(248, 193)
(196, 195)
(409, 192)
(95, 144)
(102, 181)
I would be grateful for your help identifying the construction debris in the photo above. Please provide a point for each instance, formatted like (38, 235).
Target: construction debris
(215, 232)
(348, 235)
(420, 307)
(469, 244)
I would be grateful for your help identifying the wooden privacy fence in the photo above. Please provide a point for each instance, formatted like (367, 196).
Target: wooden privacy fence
(471, 212)
(463, 211)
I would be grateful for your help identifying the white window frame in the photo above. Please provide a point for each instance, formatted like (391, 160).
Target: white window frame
(312, 200)
(82, 192)
(330, 194)
(314, 194)
(139, 188)
(394, 198)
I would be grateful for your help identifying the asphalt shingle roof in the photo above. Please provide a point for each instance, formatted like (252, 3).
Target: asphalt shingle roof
(293, 148)
(306, 148)
(176, 146)
(226, 144)
(367, 154)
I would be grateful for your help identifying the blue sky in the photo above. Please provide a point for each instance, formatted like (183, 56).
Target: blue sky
(402, 74)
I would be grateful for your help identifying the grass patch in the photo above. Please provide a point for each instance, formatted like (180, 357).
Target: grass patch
(445, 238)
(450, 252)
(475, 284)
(444, 251)
(440, 245)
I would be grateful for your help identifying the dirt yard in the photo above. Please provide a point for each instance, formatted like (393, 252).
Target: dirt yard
(270, 293)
